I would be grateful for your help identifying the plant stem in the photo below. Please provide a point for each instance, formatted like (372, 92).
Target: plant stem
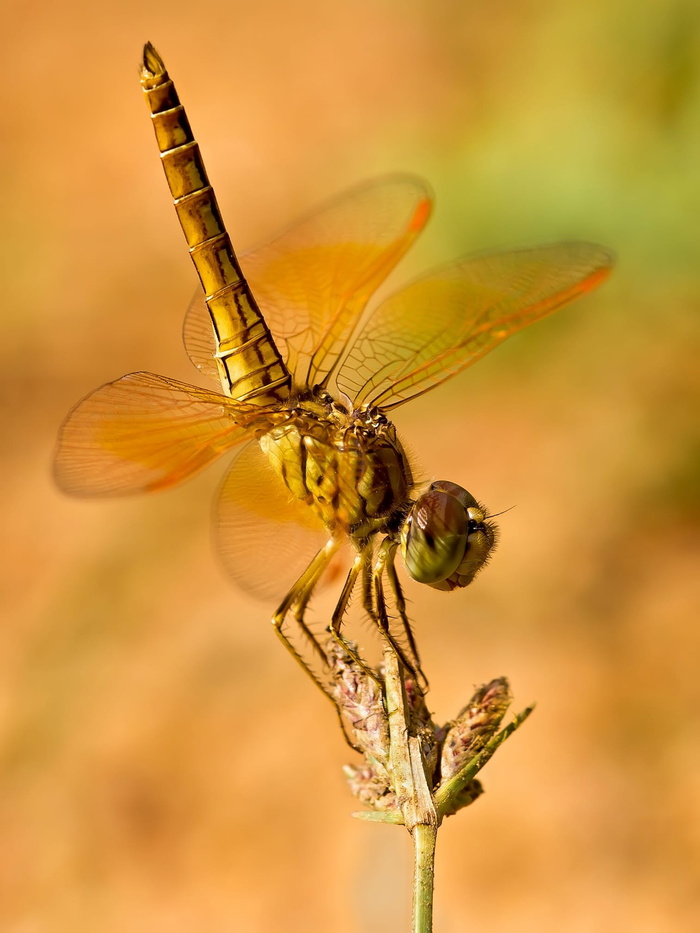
(412, 789)
(424, 839)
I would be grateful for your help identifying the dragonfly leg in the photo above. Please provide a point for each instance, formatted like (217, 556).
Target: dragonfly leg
(297, 600)
(358, 564)
(400, 601)
(299, 617)
(377, 607)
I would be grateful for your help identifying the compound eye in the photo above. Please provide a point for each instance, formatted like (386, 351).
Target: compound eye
(446, 538)
(434, 536)
(459, 493)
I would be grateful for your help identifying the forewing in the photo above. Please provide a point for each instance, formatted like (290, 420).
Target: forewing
(140, 433)
(445, 321)
(265, 537)
(313, 281)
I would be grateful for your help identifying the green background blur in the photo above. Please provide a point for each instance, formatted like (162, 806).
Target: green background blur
(163, 766)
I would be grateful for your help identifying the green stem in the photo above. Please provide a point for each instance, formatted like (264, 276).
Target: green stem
(424, 839)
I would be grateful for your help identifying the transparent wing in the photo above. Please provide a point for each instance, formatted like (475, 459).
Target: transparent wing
(313, 281)
(140, 433)
(198, 337)
(265, 537)
(445, 321)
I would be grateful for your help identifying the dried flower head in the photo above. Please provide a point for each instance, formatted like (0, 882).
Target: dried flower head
(474, 726)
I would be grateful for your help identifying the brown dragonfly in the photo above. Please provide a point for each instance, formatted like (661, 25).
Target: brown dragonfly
(306, 379)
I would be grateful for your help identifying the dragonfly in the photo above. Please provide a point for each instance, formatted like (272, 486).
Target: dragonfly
(307, 373)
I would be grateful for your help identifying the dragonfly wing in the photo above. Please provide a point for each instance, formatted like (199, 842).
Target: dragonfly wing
(198, 336)
(265, 537)
(445, 321)
(140, 433)
(313, 281)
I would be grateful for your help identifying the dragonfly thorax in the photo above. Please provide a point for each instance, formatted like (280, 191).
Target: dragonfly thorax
(348, 466)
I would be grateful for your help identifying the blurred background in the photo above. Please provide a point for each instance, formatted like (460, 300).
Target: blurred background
(164, 767)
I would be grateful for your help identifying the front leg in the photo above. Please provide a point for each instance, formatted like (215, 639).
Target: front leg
(375, 604)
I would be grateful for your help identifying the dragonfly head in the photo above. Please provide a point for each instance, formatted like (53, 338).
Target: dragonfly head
(446, 539)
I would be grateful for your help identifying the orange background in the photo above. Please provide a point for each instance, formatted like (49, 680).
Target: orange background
(164, 766)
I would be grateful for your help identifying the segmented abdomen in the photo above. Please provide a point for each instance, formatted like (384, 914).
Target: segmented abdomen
(250, 366)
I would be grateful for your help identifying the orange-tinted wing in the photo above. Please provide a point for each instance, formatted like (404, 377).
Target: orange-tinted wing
(445, 321)
(313, 281)
(140, 433)
(265, 537)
